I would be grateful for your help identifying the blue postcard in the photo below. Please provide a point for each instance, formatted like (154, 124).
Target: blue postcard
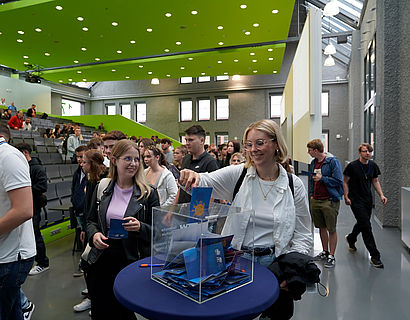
(117, 230)
(200, 200)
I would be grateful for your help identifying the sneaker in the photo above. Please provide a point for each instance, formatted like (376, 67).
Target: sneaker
(377, 263)
(350, 244)
(84, 292)
(83, 305)
(330, 262)
(37, 270)
(28, 312)
(78, 273)
(321, 256)
(89, 313)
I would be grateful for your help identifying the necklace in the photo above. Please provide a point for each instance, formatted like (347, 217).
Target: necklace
(265, 195)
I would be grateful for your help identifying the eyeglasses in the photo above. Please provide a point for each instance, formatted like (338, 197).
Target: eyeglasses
(130, 159)
(259, 143)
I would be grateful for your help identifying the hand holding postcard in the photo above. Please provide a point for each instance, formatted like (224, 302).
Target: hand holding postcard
(117, 230)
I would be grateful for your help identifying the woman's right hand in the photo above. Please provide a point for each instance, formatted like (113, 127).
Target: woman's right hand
(189, 178)
(98, 241)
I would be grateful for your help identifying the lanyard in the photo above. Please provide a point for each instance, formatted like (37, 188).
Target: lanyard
(366, 174)
(2, 141)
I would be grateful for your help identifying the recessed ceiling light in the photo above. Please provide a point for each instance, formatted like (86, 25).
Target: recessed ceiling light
(182, 68)
(47, 54)
(225, 72)
(166, 50)
(178, 43)
(113, 70)
(275, 11)
(75, 61)
(236, 60)
(220, 43)
(25, 62)
(168, 75)
(132, 41)
(190, 59)
(97, 59)
(1, 32)
(254, 60)
(114, 23)
(149, 72)
(84, 49)
(19, 40)
(78, 71)
(203, 73)
(70, 79)
(252, 53)
(38, 29)
(270, 58)
(254, 71)
(60, 80)
(127, 77)
(85, 29)
(149, 30)
(168, 14)
(243, 6)
(80, 18)
(119, 51)
(275, 71)
(59, 8)
(236, 77)
(270, 49)
(25, 57)
(20, 32)
(219, 61)
(220, 27)
(256, 25)
(84, 80)
(194, 12)
(247, 33)
(140, 66)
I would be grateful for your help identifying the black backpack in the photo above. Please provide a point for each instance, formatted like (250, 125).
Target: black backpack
(242, 176)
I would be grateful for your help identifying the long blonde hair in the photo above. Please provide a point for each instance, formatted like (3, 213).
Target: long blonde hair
(117, 151)
(273, 131)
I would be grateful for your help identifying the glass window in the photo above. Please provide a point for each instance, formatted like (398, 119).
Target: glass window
(325, 104)
(221, 137)
(222, 108)
(141, 108)
(275, 100)
(222, 78)
(204, 79)
(325, 140)
(204, 109)
(126, 110)
(185, 110)
(110, 109)
(70, 108)
(185, 80)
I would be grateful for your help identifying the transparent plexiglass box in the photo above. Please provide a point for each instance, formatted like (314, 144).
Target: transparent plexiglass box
(198, 255)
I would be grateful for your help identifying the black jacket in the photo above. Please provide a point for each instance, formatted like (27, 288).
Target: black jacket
(38, 180)
(298, 270)
(138, 244)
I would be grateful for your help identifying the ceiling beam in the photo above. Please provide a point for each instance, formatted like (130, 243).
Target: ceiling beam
(336, 34)
(249, 45)
(340, 16)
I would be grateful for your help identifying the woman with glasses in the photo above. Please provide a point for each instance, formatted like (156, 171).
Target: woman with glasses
(159, 176)
(282, 221)
(124, 196)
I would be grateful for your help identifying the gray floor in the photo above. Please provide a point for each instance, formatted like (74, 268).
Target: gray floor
(356, 290)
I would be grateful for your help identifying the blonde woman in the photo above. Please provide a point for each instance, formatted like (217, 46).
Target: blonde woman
(237, 158)
(129, 197)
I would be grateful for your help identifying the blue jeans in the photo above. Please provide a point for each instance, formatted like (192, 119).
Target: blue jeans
(265, 260)
(23, 300)
(12, 276)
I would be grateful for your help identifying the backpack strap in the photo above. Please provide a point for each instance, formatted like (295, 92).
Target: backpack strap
(291, 186)
(239, 182)
(101, 187)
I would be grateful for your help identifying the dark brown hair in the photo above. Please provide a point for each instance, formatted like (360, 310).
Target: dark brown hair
(97, 167)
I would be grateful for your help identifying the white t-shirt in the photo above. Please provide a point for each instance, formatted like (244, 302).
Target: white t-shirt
(14, 174)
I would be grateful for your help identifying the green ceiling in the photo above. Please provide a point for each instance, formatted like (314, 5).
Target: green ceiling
(62, 40)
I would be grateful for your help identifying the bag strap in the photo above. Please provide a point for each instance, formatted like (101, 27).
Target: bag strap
(243, 174)
(101, 187)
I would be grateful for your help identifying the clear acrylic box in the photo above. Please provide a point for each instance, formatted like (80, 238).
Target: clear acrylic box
(195, 256)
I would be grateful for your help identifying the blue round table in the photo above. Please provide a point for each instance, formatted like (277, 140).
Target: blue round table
(135, 290)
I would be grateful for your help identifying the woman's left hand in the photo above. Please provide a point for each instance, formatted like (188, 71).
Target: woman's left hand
(132, 224)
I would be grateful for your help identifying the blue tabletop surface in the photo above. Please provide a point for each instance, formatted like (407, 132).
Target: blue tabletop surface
(135, 290)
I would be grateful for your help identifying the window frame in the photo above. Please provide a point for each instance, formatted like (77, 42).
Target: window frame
(216, 108)
(216, 78)
(276, 94)
(180, 80)
(107, 105)
(121, 111)
(197, 108)
(328, 103)
(136, 111)
(199, 81)
(180, 109)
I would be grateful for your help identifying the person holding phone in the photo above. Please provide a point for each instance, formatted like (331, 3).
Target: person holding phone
(129, 197)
